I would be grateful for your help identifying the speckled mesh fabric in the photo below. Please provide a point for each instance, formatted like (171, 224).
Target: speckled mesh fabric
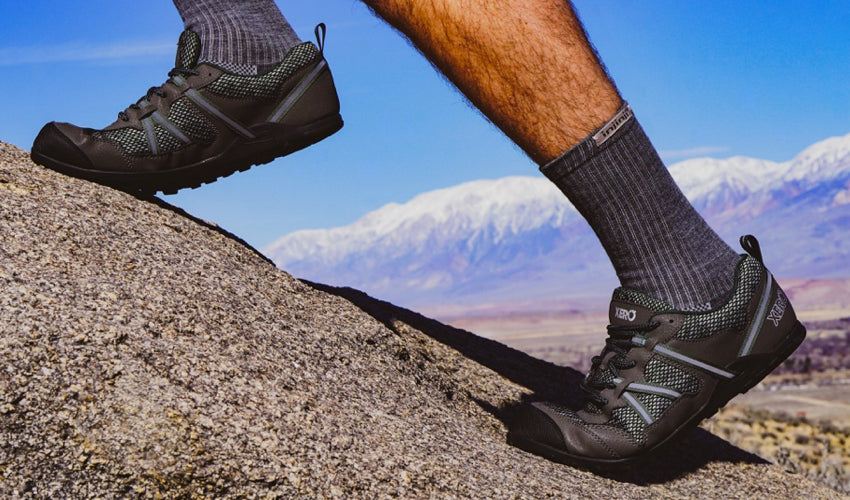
(183, 115)
(628, 419)
(734, 313)
(601, 376)
(188, 118)
(166, 142)
(664, 374)
(591, 408)
(239, 86)
(188, 50)
(654, 403)
(132, 141)
(641, 299)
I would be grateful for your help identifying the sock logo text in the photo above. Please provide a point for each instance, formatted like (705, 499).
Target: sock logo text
(613, 125)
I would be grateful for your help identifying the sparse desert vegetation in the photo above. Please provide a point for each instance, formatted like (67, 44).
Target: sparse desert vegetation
(817, 450)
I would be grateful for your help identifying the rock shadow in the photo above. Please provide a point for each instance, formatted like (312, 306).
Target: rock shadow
(549, 382)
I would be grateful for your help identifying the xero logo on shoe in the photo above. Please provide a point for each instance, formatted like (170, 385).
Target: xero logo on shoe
(626, 314)
(778, 309)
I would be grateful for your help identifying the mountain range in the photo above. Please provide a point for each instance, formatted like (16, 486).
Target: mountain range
(518, 241)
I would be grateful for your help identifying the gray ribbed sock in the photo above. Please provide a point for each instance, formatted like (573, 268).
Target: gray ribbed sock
(244, 36)
(656, 240)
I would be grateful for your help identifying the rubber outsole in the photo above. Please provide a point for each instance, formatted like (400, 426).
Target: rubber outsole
(725, 392)
(273, 141)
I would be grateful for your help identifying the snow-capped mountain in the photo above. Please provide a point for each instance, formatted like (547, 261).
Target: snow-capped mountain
(517, 239)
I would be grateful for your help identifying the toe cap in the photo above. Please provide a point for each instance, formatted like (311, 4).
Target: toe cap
(533, 424)
(562, 435)
(54, 149)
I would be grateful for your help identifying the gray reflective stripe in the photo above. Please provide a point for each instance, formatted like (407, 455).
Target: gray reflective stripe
(296, 93)
(653, 389)
(691, 361)
(636, 340)
(148, 126)
(210, 108)
(634, 403)
(758, 320)
(178, 80)
(170, 127)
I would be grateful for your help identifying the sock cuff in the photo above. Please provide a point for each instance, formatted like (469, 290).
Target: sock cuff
(592, 145)
(245, 37)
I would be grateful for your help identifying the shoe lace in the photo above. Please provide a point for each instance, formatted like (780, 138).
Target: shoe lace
(183, 72)
(619, 342)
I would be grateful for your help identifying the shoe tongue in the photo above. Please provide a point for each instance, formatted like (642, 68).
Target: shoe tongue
(630, 307)
(188, 50)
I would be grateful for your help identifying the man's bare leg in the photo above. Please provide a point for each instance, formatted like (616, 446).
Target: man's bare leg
(525, 64)
(528, 66)
(689, 328)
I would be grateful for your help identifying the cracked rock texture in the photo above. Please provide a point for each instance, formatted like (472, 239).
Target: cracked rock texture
(146, 353)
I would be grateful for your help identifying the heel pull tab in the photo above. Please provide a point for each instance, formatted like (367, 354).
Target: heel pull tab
(320, 31)
(751, 245)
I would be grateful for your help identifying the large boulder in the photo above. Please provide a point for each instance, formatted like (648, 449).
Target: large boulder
(146, 353)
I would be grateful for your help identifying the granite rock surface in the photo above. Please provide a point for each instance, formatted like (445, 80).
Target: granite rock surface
(149, 354)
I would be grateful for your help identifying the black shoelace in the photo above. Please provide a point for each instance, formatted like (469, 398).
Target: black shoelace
(157, 90)
(619, 342)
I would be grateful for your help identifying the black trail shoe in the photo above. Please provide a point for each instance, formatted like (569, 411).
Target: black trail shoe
(202, 123)
(662, 371)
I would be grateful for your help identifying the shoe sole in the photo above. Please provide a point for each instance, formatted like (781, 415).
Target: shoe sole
(725, 391)
(273, 141)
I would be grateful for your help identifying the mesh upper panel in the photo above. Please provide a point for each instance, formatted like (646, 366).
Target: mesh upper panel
(733, 314)
(640, 299)
(601, 376)
(165, 142)
(628, 419)
(265, 85)
(591, 408)
(661, 373)
(183, 114)
(240, 69)
(192, 121)
(654, 403)
(188, 50)
(132, 141)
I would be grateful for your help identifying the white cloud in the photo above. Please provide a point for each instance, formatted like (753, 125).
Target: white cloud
(678, 154)
(80, 51)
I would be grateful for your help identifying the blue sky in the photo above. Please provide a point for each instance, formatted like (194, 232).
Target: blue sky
(705, 78)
